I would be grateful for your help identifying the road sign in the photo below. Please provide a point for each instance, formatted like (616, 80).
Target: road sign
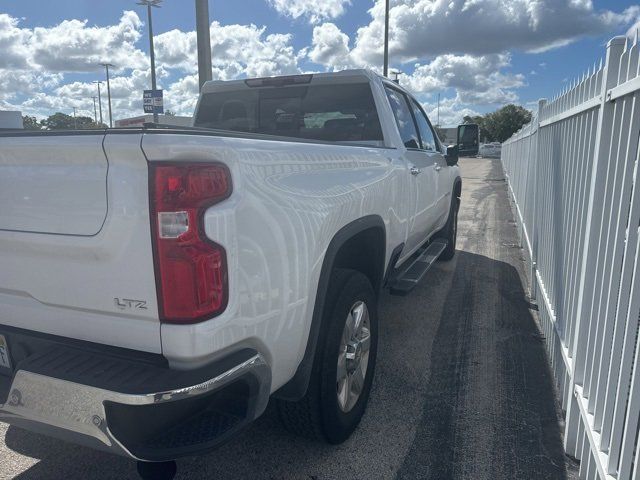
(153, 101)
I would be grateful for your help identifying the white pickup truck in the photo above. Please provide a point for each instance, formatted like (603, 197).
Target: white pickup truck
(158, 286)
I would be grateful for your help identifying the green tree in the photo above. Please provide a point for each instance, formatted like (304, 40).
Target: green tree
(500, 125)
(62, 121)
(31, 123)
(503, 123)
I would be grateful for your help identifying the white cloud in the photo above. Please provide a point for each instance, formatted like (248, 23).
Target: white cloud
(424, 28)
(126, 94)
(451, 112)
(457, 47)
(72, 46)
(316, 11)
(35, 60)
(330, 46)
(634, 30)
(182, 96)
(13, 43)
(237, 50)
(33, 63)
(477, 80)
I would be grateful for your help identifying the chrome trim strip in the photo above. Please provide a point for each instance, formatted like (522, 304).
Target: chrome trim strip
(80, 408)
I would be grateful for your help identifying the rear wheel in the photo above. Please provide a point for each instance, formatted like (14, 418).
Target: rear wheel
(344, 365)
(157, 470)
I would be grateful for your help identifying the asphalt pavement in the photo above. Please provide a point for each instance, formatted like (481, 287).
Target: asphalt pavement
(462, 387)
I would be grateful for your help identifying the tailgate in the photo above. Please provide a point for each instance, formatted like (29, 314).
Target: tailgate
(75, 241)
(54, 184)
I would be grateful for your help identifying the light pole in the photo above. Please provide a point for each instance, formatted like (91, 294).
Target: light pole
(204, 42)
(95, 112)
(106, 66)
(438, 110)
(98, 82)
(386, 38)
(149, 4)
(75, 121)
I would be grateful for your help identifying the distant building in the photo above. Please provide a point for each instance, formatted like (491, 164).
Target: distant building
(10, 120)
(162, 120)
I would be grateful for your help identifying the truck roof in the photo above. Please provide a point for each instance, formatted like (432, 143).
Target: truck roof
(344, 76)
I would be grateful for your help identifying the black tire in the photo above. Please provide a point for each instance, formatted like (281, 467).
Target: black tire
(318, 414)
(450, 230)
(157, 471)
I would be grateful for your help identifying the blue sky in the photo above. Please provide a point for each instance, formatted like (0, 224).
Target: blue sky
(478, 54)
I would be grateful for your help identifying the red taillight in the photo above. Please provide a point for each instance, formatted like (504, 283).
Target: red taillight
(191, 270)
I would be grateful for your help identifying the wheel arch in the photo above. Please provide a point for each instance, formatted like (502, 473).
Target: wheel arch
(353, 246)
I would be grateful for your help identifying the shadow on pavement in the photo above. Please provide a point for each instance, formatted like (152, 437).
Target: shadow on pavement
(487, 411)
(490, 411)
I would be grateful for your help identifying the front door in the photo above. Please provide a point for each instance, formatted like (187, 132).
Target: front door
(421, 168)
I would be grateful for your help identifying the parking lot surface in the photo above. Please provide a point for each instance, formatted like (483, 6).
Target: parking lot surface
(462, 388)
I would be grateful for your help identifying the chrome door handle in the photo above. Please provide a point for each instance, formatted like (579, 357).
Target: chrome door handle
(415, 171)
(438, 168)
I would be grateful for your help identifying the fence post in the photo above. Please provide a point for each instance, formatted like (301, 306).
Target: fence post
(533, 228)
(615, 48)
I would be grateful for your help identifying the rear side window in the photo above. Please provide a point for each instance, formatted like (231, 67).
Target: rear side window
(334, 113)
(426, 134)
(404, 119)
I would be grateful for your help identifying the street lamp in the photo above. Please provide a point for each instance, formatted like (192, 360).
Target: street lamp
(98, 82)
(106, 66)
(204, 42)
(95, 112)
(149, 4)
(386, 38)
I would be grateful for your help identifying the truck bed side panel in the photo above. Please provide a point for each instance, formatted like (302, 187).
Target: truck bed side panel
(289, 199)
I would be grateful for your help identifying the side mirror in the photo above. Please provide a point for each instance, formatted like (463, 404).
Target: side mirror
(468, 139)
(452, 155)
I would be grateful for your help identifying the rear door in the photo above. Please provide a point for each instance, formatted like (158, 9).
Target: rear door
(421, 166)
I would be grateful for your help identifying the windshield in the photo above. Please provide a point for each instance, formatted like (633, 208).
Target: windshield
(333, 113)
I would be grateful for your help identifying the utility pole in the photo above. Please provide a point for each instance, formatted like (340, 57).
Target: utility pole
(386, 38)
(97, 82)
(106, 66)
(152, 54)
(95, 112)
(204, 42)
(75, 120)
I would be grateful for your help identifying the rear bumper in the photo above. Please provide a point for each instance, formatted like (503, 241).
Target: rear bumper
(141, 411)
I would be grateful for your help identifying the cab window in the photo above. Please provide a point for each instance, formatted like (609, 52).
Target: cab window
(427, 137)
(404, 118)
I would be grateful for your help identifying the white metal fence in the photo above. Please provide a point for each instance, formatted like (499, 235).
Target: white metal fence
(573, 175)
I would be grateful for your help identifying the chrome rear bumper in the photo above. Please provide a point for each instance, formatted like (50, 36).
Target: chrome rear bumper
(80, 413)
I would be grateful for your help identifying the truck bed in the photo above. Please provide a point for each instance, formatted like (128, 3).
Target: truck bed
(76, 257)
